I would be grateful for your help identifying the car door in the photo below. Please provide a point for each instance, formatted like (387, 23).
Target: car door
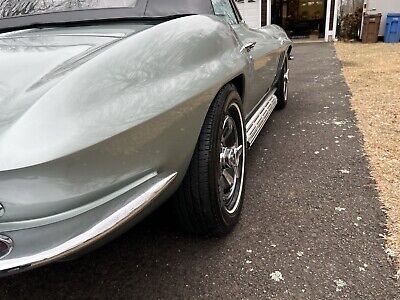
(265, 51)
(262, 49)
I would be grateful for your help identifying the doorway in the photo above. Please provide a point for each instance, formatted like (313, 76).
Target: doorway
(302, 19)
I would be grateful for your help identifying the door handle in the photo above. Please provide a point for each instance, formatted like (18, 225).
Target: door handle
(248, 47)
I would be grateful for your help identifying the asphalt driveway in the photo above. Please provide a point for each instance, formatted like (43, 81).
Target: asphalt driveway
(310, 229)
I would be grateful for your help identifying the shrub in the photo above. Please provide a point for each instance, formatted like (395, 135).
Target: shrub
(350, 25)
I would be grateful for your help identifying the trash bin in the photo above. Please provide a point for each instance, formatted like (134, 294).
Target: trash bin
(371, 28)
(392, 31)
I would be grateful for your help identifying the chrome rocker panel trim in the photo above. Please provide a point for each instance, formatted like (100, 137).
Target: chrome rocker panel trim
(91, 236)
(260, 117)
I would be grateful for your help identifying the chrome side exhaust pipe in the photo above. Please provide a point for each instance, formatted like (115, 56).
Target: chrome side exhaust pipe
(6, 246)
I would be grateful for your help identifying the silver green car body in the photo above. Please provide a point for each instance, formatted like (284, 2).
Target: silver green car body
(98, 124)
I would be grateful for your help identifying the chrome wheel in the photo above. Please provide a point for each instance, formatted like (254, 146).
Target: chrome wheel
(211, 196)
(282, 86)
(285, 84)
(232, 158)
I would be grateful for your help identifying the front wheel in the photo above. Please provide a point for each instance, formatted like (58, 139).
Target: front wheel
(282, 88)
(210, 198)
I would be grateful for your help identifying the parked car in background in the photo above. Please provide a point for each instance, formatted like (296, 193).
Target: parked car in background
(110, 109)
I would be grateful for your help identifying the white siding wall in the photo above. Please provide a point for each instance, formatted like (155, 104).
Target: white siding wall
(251, 13)
(384, 7)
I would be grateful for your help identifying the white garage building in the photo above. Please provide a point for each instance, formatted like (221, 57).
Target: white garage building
(383, 7)
(312, 19)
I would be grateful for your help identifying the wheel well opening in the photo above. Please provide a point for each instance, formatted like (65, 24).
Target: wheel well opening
(238, 82)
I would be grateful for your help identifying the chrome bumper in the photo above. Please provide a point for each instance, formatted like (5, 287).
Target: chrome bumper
(96, 231)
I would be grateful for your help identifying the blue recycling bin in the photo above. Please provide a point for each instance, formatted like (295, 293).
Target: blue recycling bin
(392, 32)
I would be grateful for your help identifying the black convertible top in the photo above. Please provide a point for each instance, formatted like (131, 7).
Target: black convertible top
(143, 9)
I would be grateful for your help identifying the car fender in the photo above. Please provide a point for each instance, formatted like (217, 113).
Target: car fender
(135, 108)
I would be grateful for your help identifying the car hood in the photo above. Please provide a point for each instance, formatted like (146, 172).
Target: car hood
(33, 61)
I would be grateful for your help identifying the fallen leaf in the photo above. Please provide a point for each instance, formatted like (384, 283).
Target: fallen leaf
(276, 276)
(390, 252)
(340, 284)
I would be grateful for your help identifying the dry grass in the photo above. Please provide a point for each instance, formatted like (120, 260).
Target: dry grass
(373, 74)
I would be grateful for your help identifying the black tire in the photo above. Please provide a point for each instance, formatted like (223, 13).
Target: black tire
(282, 87)
(201, 202)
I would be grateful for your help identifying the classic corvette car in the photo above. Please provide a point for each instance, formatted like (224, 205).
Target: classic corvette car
(109, 108)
